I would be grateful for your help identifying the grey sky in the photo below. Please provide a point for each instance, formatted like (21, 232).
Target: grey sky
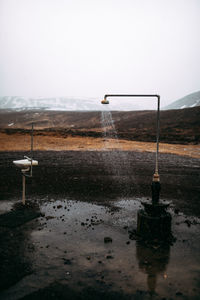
(86, 48)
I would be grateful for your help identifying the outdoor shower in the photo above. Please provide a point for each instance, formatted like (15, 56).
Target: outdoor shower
(105, 101)
(153, 221)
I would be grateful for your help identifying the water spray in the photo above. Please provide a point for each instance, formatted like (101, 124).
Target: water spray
(156, 177)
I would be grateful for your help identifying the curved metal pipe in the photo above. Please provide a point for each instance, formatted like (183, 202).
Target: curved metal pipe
(156, 177)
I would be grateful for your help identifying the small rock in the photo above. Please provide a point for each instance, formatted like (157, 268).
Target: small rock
(107, 239)
(188, 223)
(128, 242)
(179, 294)
(82, 224)
(67, 261)
(195, 222)
(59, 206)
(109, 257)
(49, 217)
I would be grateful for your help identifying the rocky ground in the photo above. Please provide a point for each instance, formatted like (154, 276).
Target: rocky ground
(75, 239)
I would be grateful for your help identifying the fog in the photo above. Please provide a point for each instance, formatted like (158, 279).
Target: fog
(52, 48)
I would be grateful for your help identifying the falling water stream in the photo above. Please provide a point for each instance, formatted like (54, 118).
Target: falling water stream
(116, 161)
(108, 125)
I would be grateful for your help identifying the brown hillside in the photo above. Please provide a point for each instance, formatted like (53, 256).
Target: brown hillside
(176, 126)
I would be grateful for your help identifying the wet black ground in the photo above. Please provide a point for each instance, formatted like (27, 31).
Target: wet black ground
(101, 175)
(84, 197)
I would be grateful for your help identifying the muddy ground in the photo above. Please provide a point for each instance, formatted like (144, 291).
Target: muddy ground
(55, 247)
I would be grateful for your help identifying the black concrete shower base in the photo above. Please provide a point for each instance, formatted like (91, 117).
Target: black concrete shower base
(154, 227)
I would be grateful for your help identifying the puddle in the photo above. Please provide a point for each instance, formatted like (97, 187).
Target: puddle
(5, 206)
(69, 248)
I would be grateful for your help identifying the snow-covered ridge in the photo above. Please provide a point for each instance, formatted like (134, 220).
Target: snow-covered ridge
(191, 100)
(65, 104)
(20, 103)
(83, 104)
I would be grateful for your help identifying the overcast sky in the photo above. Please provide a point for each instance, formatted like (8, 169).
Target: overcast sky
(86, 48)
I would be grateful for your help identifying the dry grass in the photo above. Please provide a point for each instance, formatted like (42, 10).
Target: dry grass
(21, 142)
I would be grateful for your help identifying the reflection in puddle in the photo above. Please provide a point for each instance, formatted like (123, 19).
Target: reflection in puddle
(152, 262)
(69, 248)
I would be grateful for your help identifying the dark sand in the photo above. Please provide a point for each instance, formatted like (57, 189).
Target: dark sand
(84, 196)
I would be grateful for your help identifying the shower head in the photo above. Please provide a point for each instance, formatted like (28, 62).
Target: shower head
(104, 101)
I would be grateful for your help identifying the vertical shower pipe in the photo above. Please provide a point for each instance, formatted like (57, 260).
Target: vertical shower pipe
(31, 149)
(24, 175)
(156, 177)
(23, 189)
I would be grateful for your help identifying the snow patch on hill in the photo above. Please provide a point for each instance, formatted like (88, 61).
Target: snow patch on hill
(191, 100)
(65, 104)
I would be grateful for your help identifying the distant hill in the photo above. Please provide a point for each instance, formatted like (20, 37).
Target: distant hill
(92, 104)
(191, 100)
(59, 104)
(66, 104)
(176, 126)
